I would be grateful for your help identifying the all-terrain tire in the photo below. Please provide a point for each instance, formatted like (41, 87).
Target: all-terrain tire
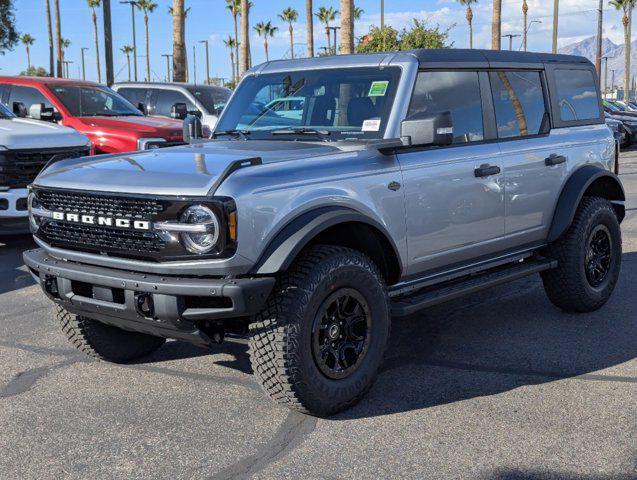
(568, 286)
(281, 349)
(106, 342)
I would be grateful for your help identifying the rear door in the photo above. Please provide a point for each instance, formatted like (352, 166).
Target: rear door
(454, 195)
(534, 160)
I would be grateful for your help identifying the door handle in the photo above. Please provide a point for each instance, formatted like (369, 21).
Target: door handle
(486, 170)
(555, 160)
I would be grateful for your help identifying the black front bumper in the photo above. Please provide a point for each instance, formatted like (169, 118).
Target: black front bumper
(167, 306)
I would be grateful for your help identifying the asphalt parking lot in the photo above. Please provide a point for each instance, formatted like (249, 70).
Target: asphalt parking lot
(500, 385)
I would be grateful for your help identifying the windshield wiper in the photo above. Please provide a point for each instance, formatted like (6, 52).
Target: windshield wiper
(303, 131)
(236, 133)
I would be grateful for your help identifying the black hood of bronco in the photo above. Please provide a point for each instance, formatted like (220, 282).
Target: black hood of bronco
(189, 170)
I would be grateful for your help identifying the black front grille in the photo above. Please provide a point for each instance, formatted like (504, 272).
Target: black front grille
(18, 168)
(103, 239)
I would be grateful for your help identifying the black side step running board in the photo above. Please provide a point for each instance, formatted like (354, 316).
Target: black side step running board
(404, 306)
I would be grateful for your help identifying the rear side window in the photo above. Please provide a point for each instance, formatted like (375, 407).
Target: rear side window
(455, 92)
(134, 95)
(520, 108)
(577, 95)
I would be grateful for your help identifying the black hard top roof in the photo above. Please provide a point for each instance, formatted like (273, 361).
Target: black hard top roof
(460, 58)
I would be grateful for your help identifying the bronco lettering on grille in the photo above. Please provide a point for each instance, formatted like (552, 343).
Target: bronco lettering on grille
(101, 221)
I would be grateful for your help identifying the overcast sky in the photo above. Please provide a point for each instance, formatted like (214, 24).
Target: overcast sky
(208, 19)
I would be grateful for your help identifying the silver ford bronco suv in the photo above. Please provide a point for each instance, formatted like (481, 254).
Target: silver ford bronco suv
(335, 194)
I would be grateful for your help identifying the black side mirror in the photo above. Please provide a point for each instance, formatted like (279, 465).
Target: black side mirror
(179, 111)
(19, 110)
(427, 129)
(193, 129)
(142, 108)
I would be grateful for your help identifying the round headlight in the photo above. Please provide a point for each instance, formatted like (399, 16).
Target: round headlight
(203, 235)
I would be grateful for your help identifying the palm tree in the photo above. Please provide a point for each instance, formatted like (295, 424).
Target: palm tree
(309, 18)
(93, 4)
(525, 29)
(27, 40)
(127, 50)
(235, 9)
(290, 15)
(265, 30)
(64, 44)
(231, 43)
(626, 6)
(325, 16)
(347, 27)
(58, 38)
(496, 26)
(50, 31)
(178, 12)
(467, 3)
(244, 60)
(146, 6)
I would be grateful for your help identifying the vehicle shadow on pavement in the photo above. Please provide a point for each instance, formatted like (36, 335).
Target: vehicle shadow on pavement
(11, 277)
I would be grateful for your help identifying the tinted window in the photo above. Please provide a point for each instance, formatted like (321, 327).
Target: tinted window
(577, 95)
(337, 104)
(134, 95)
(519, 103)
(28, 96)
(94, 101)
(166, 99)
(4, 112)
(212, 98)
(455, 92)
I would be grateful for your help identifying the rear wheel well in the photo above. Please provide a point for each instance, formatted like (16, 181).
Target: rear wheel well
(608, 188)
(366, 239)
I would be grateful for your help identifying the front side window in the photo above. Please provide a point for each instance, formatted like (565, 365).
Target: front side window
(520, 108)
(166, 99)
(335, 104)
(135, 96)
(577, 95)
(28, 96)
(213, 99)
(454, 92)
(90, 101)
(5, 112)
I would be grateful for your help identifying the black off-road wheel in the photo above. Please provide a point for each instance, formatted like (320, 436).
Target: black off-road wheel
(589, 259)
(106, 342)
(317, 345)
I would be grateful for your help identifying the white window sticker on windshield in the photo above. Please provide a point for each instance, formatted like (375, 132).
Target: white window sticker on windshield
(378, 89)
(371, 125)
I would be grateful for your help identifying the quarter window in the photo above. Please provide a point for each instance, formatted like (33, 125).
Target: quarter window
(520, 108)
(454, 92)
(577, 95)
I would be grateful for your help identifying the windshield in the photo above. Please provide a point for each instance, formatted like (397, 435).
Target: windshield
(342, 104)
(213, 99)
(5, 113)
(92, 101)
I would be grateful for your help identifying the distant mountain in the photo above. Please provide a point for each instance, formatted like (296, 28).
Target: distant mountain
(615, 53)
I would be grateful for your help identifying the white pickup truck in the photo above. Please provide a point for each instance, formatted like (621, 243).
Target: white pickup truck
(26, 146)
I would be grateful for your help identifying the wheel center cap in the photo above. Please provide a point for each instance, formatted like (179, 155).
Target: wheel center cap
(334, 331)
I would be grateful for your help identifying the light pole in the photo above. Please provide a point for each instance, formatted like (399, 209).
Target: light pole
(511, 36)
(528, 29)
(66, 66)
(168, 57)
(133, 4)
(335, 29)
(83, 69)
(605, 60)
(612, 86)
(194, 64)
(207, 82)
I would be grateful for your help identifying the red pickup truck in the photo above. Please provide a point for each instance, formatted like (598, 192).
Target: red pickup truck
(111, 122)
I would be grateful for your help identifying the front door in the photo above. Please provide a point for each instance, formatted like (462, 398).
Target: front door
(454, 195)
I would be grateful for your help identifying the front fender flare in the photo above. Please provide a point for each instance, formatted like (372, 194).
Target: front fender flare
(575, 189)
(294, 236)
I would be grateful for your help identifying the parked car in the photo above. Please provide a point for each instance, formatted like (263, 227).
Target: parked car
(628, 120)
(111, 122)
(176, 100)
(622, 134)
(412, 178)
(26, 146)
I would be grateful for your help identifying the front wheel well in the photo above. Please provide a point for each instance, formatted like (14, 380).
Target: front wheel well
(366, 239)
